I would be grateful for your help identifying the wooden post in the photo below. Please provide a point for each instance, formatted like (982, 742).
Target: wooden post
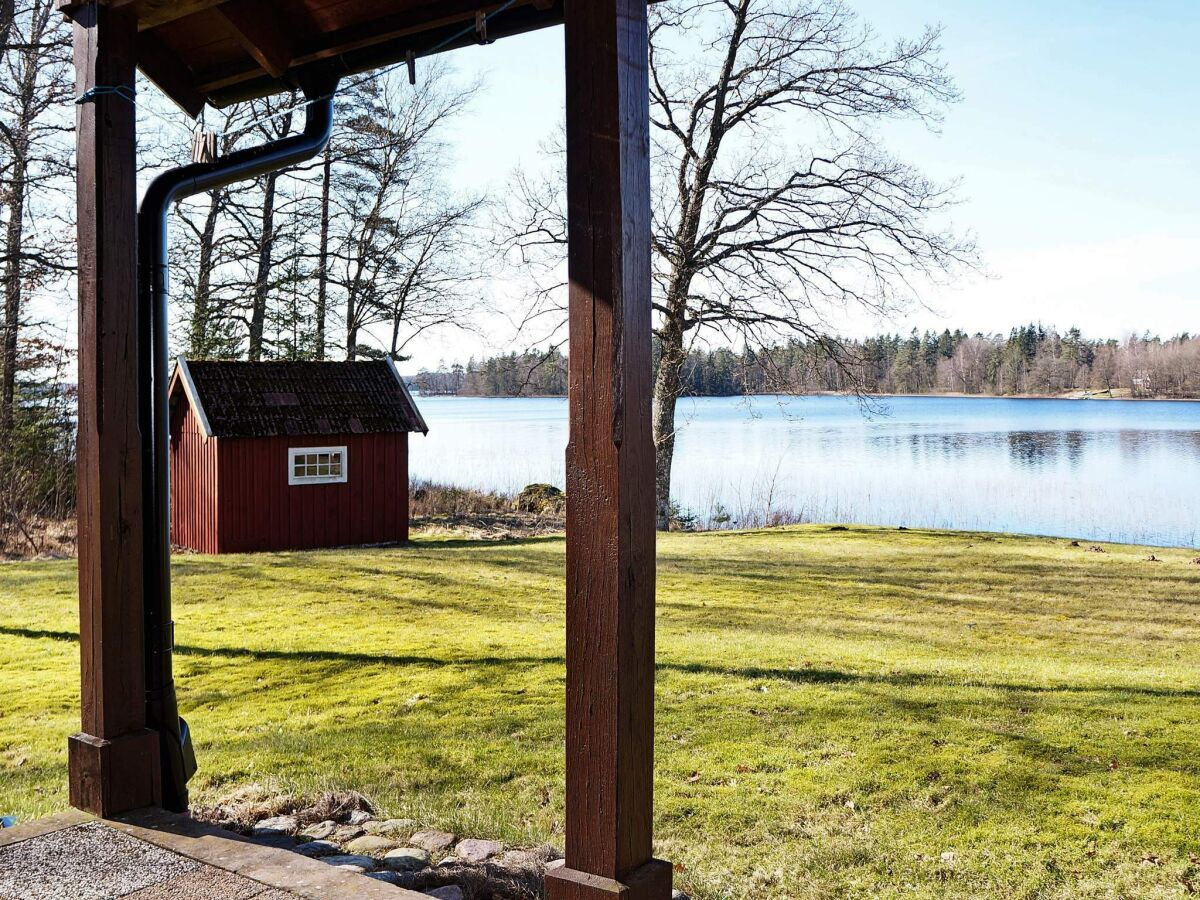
(610, 463)
(114, 762)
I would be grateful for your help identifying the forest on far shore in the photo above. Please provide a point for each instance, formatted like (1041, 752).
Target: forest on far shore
(1031, 360)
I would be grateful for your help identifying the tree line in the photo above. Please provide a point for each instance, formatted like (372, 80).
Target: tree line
(1031, 360)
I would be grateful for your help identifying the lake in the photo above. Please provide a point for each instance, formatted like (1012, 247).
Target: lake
(1125, 471)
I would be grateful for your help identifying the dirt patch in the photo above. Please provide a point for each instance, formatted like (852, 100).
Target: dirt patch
(491, 527)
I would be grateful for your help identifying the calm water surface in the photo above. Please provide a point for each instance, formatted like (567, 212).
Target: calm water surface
(1102, 470)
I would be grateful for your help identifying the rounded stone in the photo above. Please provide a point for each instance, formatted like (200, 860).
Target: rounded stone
(400, 829)
(474, 850)
(539, 498)
(276, 825)
(317, 849)
(371, 845)
(321, 830)
(406, 859)
(433, 841)
(449, 892)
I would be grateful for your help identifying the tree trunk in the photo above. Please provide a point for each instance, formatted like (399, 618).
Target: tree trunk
(200, 340)
(12, 302)
(18, 141)
(323, 258)
(8, 14)
(668, 385)
(262, 284)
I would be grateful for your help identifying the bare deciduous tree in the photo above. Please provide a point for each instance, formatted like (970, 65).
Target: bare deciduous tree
(775, 203)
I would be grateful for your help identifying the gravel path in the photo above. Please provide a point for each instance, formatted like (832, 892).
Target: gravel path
(96, 862)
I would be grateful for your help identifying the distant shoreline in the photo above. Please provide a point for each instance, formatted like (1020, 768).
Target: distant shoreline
(1075, 395)
(945, 395)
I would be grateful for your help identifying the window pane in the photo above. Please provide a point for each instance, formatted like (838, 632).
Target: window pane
(318, 465)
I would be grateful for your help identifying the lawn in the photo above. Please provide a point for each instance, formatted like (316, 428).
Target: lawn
(862, 713)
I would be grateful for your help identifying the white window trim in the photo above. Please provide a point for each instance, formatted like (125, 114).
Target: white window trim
(295, 480)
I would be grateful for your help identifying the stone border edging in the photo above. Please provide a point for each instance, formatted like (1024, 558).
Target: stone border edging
(283, 869)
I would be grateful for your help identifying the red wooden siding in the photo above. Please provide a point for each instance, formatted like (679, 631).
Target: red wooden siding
(260, 511)
(194, 483)
(231, 495)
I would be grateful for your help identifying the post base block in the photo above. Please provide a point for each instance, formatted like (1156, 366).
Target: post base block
(651, 881)
(109, 777)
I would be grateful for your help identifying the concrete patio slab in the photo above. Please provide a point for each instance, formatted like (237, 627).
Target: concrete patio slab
(154, 855)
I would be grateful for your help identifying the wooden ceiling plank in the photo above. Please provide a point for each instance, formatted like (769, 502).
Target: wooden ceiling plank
(261, 33)
(425, 17)
(152, 13)
(170, 75)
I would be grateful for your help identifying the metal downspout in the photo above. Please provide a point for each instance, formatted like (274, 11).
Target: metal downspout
(162, 713)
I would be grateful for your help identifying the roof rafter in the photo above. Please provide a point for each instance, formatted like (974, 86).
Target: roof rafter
(168, 73)
(150, 13)
(265, 38)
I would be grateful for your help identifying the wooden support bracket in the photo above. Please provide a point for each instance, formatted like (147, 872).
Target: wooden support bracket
(110, 777)
(651, 881)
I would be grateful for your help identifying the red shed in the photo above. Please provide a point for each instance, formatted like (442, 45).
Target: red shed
(289, 455)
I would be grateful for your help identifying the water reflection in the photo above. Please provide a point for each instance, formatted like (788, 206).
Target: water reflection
(1028, 449)
(1105, 470)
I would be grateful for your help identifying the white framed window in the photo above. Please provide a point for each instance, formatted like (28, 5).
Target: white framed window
(317, 465)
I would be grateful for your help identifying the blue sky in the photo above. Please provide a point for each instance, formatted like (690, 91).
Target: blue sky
(1077, 141)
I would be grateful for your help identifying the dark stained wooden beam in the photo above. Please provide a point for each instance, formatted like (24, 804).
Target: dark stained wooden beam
(149, 13)
(427, 16)
(113, 763)
(168, 73)
(152, 13)
(265, 37)
(411, 22)
(610, 464)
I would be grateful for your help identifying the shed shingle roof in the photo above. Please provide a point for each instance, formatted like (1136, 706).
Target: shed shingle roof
(271, 399)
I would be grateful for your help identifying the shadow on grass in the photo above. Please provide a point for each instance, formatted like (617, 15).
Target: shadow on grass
(795, 676)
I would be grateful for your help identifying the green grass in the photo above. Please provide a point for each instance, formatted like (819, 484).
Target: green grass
(869, 713)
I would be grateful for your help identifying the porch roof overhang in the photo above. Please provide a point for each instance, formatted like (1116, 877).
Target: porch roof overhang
(224, 51)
